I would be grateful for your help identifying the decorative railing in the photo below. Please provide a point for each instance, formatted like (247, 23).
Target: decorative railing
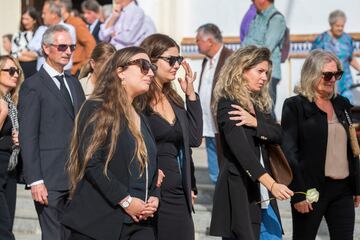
(300, 45)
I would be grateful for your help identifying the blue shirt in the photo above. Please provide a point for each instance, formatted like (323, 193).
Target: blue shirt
(265, 33)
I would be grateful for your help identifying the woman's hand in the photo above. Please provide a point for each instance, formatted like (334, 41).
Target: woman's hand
(150, 208)
(281, 191)
(356, 201)
(160, 179)
(135, 208)
(15, 137)
(242, 117)
(193, 198)
(187, 85)
(303, 207)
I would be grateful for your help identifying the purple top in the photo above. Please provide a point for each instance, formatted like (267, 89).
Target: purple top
(128, 30)
(245, 23)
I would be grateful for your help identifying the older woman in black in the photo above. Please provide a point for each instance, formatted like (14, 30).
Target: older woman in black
(176, 129)
(317, 145)
(112, 166)
(241, 208)
(11, 77)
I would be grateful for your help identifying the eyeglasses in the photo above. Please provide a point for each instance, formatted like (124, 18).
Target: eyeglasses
(143, 64)
(329, 75)
(12, 71)
(64, 47)
(172, 59)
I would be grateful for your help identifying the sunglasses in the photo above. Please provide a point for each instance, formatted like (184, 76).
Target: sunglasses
(12, 71)
(143, 64)
(329, 75)
(64, 47)
(172, 60)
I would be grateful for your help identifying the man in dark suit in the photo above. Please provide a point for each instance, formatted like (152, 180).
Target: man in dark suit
(48, 103)
(91, 10)
(210, 43)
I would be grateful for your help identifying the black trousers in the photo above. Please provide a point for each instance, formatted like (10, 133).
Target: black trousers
(336, 205)
(49, 216)
(133, 231)
(7, 201)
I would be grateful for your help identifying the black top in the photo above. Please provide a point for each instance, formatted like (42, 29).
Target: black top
(94, 210)
(6, 139)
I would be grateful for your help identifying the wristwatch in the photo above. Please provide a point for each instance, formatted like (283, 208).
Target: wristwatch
(126, 203)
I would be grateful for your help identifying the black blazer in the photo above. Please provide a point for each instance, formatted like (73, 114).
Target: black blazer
(45, 125)
(305, 129)
(235, 212)
(190, 120)
(94, 210)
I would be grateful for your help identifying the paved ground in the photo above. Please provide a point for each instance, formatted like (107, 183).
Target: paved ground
(27, 228)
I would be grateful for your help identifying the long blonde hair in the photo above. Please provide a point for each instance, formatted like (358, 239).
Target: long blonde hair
(107, 121)
(232, 83)
(15, 91)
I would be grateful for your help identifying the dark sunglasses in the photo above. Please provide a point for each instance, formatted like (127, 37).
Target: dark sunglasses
(64, 47)
(172, 60)
(12, 70)
(143, 64)
(329, 75)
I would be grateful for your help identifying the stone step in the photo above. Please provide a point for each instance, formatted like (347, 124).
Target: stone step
(205, 193)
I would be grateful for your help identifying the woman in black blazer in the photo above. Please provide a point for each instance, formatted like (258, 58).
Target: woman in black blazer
(317, 145)
(241, 201)
(176, 129)
(11, 77)
(113, 166)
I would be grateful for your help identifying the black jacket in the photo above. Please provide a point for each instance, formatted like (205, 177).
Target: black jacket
(235, 212)
(94, 210)
(305, 129)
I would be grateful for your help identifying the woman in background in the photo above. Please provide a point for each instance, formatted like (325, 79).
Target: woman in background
(89, 72)
(11, 77)
(176, 129)
(30, 21)
(340, 43)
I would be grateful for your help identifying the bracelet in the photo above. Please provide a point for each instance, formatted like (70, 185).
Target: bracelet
(272, 186)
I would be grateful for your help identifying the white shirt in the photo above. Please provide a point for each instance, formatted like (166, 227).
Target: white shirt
(52, 72)
(205, 92)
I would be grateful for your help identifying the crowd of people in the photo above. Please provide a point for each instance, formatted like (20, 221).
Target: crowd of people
(93, 126)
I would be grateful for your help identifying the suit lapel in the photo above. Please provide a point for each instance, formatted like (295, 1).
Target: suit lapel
(49, 83)
(202, 72)
(70, 82)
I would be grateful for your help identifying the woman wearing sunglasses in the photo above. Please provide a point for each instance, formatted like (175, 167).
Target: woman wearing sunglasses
(176, 129)
(11, 77)
(316, 143)
(113, 165)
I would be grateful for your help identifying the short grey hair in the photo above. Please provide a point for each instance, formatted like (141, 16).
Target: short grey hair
(212, 30)
(91, 5)
(106, 10)
(54, 8)
(336, 15)
(67, 4)
(48, 37)
(311, 72)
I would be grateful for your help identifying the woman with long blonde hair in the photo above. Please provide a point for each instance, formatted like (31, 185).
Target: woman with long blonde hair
(11, 77)
(112, 163)
(242, 207)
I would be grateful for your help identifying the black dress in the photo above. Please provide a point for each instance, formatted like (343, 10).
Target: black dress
(173, 215)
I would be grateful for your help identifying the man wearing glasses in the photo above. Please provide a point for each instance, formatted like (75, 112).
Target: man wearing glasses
(48, 103)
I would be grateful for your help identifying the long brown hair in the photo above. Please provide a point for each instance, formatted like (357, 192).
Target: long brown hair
(155, 45)
(100, 54)
(15, 91)
(107, 121)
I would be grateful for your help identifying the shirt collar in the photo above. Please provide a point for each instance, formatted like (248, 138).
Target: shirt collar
(216, 56)
(129, 6)
(267, 11)
(51, 71)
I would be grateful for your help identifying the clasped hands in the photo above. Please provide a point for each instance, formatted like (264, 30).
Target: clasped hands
(140, 210)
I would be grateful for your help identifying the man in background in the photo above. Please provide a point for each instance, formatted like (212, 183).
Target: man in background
(91, 11)
(210, 43)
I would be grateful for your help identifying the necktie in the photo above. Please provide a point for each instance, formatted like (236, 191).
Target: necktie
(64, 91)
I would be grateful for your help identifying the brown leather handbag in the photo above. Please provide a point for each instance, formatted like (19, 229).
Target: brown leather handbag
(279, 165)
